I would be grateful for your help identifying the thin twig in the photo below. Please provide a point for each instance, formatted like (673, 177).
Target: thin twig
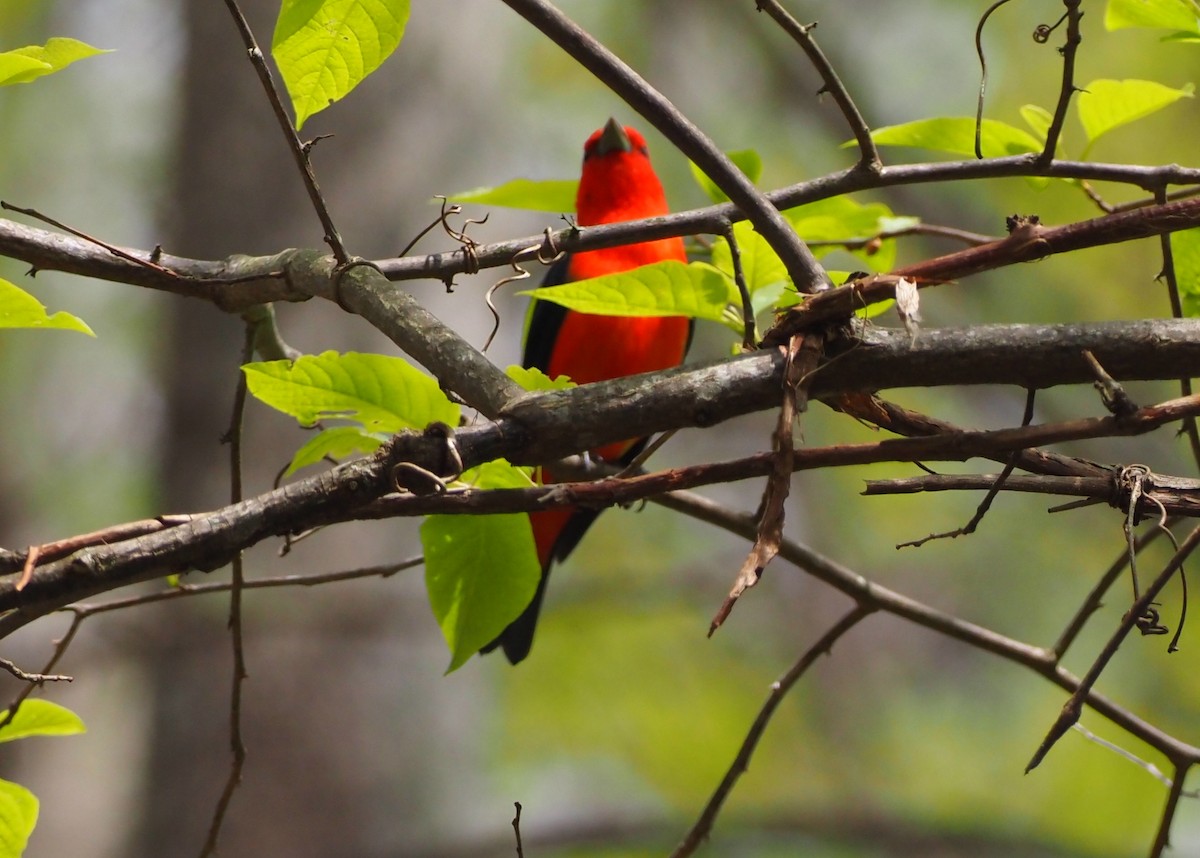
(1147, 766)
(236, 743)
(779, 689)
(238, 282)
(60, 648)
(983, 75)
(1188, 427)
(1067, 88)
(298, 149)
(739, 277)
(516, 824)
(34, 678)
(862, 590)
(1074, 705)
(1094, 599)
(184, 591)
(1162, 837)
(801, 265)
(974, 239)
(992, 492)
(111, 248)
(868, 159)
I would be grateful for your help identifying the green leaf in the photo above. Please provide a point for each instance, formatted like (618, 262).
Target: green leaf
(339, 442)
(839, 219)
(19, 309)
(1107, 104)
(325, 48)
(481, 571)
(26, 64)
(761, 266)
(746, 160)
(18, 816)
(532, 378)
(549, 195)
(1185, 248)
(669, 288)
(1039, 119)
(41, 718)
(956, 135)
(1155, 14)
(843, 219)
(384, 394)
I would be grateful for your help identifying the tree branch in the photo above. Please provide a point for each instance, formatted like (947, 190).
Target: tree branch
(801, 265)
(551, 425)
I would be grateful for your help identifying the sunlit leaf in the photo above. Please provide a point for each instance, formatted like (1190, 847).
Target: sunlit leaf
(325, 48)
(841, 219)
(1039, 119)
(532, 378)
(383, 394)
(669, 288)
(1185, 249)
(18, 816)
(746, 160)
(41, 718)
(1107, 104)
(339, 442)
(548, 195)
(19, 309)
(23, 65)
(480, 571)
(1155, 14)
(956, 135)
(761, 265)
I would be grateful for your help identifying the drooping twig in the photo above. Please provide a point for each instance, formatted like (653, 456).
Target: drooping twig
(993, 491)
(1095, 597)
(983, 75)
(237, 583)
(800, 363)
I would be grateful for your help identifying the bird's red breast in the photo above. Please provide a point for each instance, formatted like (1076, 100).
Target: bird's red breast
(617, 184)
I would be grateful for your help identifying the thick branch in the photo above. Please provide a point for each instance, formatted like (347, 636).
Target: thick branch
(551, 425)
(1027, 243)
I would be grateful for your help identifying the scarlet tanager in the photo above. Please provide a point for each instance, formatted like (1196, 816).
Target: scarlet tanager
(617, 184)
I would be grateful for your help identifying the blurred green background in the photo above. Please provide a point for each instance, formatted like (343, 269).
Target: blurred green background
(616, 730)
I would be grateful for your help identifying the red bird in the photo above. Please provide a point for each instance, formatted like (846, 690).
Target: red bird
(617, 184)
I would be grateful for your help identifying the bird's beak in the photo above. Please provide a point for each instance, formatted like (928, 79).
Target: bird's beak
(613, 139)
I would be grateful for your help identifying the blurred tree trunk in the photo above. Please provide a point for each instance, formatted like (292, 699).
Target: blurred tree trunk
(312, 786)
